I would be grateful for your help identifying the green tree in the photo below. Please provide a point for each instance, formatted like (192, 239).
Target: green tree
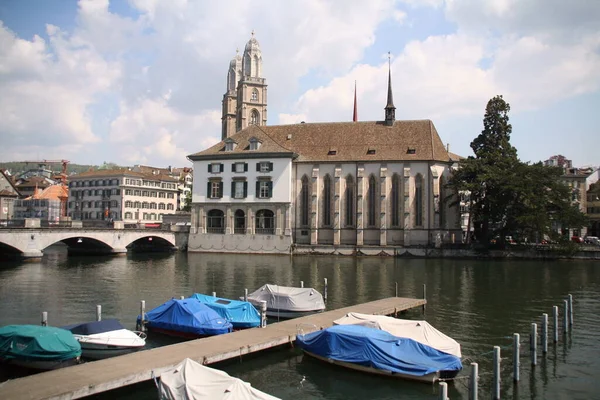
(188, 201)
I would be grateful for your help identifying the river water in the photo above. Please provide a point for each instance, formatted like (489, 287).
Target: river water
(480, 303)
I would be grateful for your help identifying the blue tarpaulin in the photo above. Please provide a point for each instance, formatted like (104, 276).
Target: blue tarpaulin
(378, 349)
(187, 316)
(94, 327)
(241, 314)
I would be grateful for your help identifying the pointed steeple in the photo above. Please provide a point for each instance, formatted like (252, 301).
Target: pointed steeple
(390, 110)
(355, 115)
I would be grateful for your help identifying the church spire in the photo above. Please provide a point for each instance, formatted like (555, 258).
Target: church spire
(390, 110)
(355, 115)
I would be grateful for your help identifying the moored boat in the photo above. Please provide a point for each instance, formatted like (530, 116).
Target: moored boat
(193, 381)
(286, 301)
(106, 338)
(38, 347)
(379, 352)
(186, 318)
(241, 314)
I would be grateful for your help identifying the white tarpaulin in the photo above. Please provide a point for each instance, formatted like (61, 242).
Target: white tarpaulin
(420, 331)
(288, 298)
(192, 381)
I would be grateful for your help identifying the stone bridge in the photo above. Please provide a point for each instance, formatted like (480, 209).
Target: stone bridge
(31, 242)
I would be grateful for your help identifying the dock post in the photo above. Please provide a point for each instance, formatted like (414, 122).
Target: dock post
(544, 333)
(44, 318)
(473, 384)
(555, 316)
(142, 326)
(301, 284)
(443, 391)
(566, 318)
(516, 357)
(396, 289)
(98, 312)
(533, 339)
(263, 314)
(424, 296)
(571, 309)
(496, 383)
(214, 294)
(325, 291)
(246, 294)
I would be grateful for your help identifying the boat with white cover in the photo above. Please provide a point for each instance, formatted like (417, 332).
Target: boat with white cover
(190, 380)
(106, 338)
(420, 331)
(286, 301)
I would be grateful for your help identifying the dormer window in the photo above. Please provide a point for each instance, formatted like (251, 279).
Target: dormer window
(254, 144)
(229, 145)
(332, 152)
(371, 151)
(411, 150)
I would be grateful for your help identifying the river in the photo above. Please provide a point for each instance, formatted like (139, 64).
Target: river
(480, 303)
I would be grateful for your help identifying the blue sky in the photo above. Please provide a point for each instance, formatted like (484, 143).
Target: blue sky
(141, 81)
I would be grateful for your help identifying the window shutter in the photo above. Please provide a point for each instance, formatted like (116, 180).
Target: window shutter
(257, 167)
(245, 167)
(270, 166)
(233, 167)
(245, 189)
(270, 188)
(221, 167)
(209, 168)
(257, 189)
(220, 189)
(232, 189)
(208, 190)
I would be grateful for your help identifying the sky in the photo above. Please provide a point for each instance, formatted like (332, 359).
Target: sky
(141, 81)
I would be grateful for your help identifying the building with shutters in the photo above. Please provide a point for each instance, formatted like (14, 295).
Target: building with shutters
(342, 188)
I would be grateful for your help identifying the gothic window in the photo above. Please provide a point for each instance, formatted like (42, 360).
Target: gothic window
(396, 200)
(304, 201)
(254, 118)
(418, 203)
(254, 96)
(371, 200)
(327, 200)
(349, 200)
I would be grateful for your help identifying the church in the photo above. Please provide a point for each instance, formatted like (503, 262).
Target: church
(373, 187)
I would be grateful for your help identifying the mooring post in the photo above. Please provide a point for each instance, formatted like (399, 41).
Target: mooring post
(263, 314)
(214, 294)
(246, 294)
(443, 391)
(570, 309)
(516, 357)
(544, 334)
(44, 318)
(325, 291)
(301, 284)
(566, 318)
(424, 296)
(533, 339)
(142, 326)
(555, 317)
(396, 289)
(496, 383)
(473, 384)
(99, 312)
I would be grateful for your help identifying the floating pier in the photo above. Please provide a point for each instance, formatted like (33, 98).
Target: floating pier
(99, 376)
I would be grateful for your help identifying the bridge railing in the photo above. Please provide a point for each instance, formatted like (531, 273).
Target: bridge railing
(12, 223)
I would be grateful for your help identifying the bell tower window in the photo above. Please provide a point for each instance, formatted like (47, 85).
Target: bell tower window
(254, 118)
(254, 96)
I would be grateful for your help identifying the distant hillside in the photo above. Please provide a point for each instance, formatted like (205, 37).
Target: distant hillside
(17, 167)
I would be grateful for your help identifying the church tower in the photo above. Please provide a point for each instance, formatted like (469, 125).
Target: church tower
(228, 119)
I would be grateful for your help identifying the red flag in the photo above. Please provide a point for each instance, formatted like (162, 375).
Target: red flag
(355, 116)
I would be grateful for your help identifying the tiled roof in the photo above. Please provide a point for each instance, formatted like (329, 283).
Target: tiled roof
(8, 193)
(455, 157)
(54, 192)
(102, 173)
(39, 181)
(343, 141)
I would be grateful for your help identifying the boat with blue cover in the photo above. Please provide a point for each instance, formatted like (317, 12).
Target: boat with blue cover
(38, 347)
(379, 352)
(106, 338)
(241, 314)
(185, 318)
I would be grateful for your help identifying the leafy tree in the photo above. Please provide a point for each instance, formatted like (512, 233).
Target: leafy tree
(188, 201)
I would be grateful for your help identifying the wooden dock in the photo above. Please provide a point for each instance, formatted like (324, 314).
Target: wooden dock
(99, 376)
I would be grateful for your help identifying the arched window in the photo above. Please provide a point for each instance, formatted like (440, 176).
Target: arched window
(265, 222)
(349, 200)
(304, 202)
(254, 96)
(327, 200)
(396, 200)
(372, 201)
(418, 203)
(254, 118)
(239, 222)
(215, 221)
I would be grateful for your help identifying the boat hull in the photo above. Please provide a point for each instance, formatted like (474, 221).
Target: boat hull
(93, 351)
(41, 365)
(287, 314)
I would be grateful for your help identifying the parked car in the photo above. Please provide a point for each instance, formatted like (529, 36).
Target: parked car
(577, 239)
(592, 240)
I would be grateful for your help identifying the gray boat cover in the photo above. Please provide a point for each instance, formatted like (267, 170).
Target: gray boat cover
(192, 381)
(287, 298)
(420, 331)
